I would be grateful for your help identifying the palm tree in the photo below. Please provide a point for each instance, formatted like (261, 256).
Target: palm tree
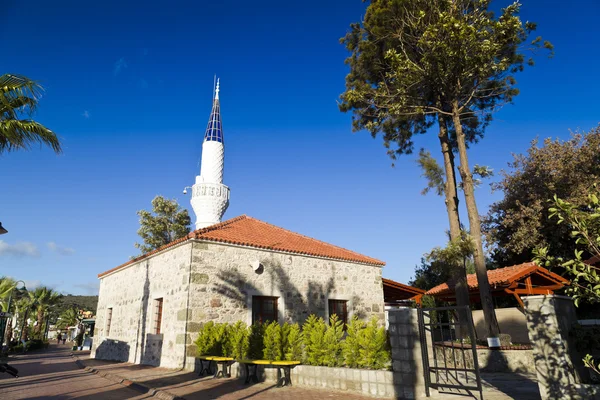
(19, 97)
(41, 299)
(7, 285)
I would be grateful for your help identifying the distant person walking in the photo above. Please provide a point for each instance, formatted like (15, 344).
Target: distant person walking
(59, 338)
(64, 339)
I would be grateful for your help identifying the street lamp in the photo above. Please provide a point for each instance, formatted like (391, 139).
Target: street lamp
(2, 230)
(8, 307)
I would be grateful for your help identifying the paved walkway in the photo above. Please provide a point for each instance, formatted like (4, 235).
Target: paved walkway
(54, 374)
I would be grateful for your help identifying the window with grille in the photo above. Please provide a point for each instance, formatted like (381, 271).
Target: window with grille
(339, 307)
(264, 309)
(158, 309)
(108, 320)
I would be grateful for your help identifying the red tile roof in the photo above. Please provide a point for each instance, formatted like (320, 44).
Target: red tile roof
(503, 277)
(251, 232)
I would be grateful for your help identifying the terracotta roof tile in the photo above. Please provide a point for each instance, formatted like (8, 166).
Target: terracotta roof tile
(251, 232)
(501, 277)
(397, 285)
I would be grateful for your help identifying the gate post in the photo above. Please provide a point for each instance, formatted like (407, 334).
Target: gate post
(407, 359)
(557, 363)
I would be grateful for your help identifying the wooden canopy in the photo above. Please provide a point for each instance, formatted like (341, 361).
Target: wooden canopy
(395, 291)
(523, 279)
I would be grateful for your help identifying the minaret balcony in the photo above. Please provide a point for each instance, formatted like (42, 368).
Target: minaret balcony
(203, 189)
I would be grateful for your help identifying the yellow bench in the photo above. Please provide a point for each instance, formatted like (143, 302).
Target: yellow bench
(284, 380)
(225, 363)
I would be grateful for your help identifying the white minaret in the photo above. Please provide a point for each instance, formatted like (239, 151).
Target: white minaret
(210, 198)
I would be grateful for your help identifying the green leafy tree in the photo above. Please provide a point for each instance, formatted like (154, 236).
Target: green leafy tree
(351, 345)
(272, 342)
(167, 222)
(519, 223)
(256, 341)
(19, 97)
(333, 342)
(373, 346)
(583, 221)
(238, 340)
(314, 340)
(205, 343)
(295, 344)
(453, 60)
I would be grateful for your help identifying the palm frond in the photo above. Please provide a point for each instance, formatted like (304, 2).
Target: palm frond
(21, 134)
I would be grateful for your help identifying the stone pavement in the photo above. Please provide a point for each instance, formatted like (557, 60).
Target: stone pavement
(54, 374)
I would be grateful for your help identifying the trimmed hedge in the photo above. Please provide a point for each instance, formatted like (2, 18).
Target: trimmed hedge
(362, 345)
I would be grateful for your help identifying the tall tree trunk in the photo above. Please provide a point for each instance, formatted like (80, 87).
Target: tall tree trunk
(40, 322)
(475, 226)
(459, 274)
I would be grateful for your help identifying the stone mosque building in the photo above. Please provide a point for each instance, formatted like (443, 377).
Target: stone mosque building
(150, 309)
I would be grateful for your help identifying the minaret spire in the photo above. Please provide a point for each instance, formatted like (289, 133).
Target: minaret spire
(210, 198)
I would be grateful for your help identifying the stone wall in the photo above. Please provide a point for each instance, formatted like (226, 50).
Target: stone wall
(407, 355)
(558, 365)
(222, 284)
(131, 293)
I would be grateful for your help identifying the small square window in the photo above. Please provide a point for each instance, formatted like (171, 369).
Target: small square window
(264, 309)
(339, 307)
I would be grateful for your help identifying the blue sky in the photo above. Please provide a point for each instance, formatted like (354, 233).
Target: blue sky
(128, 90)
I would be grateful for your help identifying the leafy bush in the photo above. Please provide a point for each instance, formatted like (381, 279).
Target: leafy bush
(351, 346)
(293, 351)
(319, 344)
(205, 341)
(256, 342)
(373, 346)
(314, 340)
(238, 340)
(213, 340)
(272, 342)
(333, 342)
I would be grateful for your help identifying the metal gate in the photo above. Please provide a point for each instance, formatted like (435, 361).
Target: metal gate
(454, 355)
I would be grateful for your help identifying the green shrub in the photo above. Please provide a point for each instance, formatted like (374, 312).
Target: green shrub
(205, 341)
(221, 344)
(333, 342)
(255, 342)
(314, 340)
(238, 340)
(272, 342)
(351, 345)
(213, 340)
(285, 337)
(373, 343)
(293, 351)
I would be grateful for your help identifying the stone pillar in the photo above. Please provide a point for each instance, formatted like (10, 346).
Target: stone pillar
(557, 364)
(407, 364)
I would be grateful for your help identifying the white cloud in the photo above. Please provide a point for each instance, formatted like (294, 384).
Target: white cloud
(86, 114)
(20, 249)
(90, 288)
(63, 251)
(32, 284)
(120, 64)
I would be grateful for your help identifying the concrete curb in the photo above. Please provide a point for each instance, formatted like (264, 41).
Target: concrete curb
(138, 387)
